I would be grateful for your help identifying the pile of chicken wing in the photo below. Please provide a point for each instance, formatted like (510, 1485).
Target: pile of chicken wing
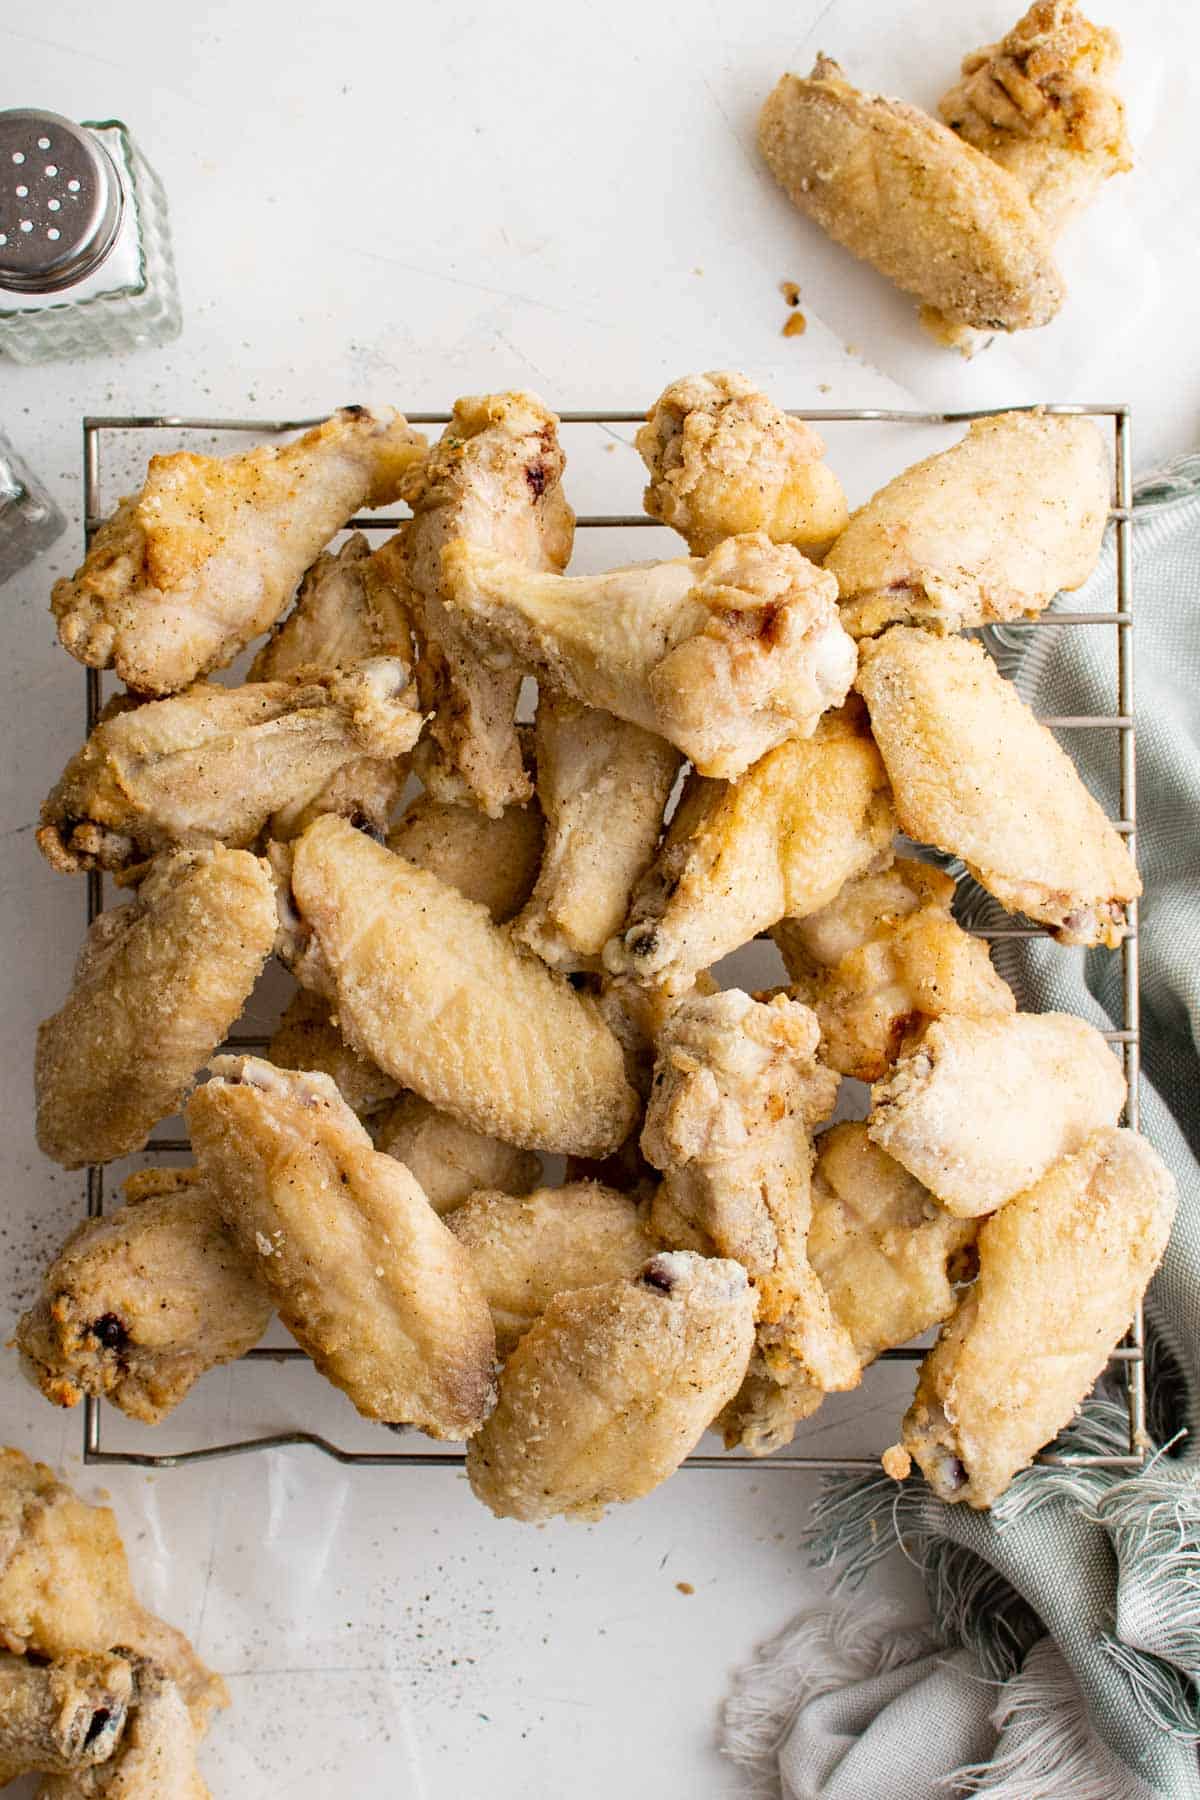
(519, 961)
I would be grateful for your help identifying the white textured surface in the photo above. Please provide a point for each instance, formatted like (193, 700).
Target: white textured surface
(406, 203)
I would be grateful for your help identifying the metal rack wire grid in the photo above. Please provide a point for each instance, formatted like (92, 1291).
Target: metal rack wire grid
(1129, 1356)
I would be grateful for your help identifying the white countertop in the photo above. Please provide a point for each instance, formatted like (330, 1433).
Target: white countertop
(403, 204)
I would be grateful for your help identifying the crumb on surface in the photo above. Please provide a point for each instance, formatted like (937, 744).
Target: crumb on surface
(896, 1462)
(795, 325)
(791, 292)
(684, 1587)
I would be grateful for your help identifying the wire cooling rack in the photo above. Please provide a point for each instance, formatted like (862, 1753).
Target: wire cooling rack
(1129, 1355)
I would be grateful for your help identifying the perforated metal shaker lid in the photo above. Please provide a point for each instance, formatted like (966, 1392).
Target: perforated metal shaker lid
(61, 202)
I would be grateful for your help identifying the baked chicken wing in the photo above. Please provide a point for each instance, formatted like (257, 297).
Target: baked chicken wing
(611, 1388)
(974, 773)
(140, 1302)
(450, 1160)
(445, 1002)
(603, 785)
(724, 459)
(307, 1038)
(493, 480)
(352, 604)
(525, 1251)
(209, 553)
(1061, 1271)
(736, 858)
(213, 764)
(990, 529)
(979, 1109)
(1041, 103)
(364, 1274)
(724, 657)
(61, 1717)
(885, 1251)
(737, 1091)
(900, 960)
(901, 191)
(155, 1758)
(158, 984)
(493, 861)
(65, 1588)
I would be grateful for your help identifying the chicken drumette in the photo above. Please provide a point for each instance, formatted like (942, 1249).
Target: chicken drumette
(1041, 103)
(779, 843)
(978, 1109)
(603, 785)
(725, 657)
(881, 961)
(991, 529)
(737, 1091)
(209, 553)
(724, 459)
(494, 481)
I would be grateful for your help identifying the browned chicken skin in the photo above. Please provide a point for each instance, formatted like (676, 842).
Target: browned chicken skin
(1041, 103)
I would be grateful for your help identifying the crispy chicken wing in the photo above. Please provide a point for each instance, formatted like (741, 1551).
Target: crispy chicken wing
(158, 984)
(139, 1303)
(1061, 1271)
(603, 785)
(212, 764)
(156, 1758)
(63, 1716)
(990, 529)
(737, 1090)
(208, 554)
(725, 657)
(352, 604)
(608, 1391)
(449, 1159)
(365, 1275)
(886, 1252)
(525, 1251)
(65, 1587)
(978, 1109)
(1042, 104)
(494, 480)
(307, 1038)
(493, 861)
(899, 190)
(901, 960)
(974, 773)
(724, 459)
(781, 842)
(425, 985)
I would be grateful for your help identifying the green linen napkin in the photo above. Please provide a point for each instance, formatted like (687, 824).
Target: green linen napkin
(1065, 1649)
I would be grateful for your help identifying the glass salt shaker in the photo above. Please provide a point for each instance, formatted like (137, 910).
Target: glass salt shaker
(85, 252)
(29, 519)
